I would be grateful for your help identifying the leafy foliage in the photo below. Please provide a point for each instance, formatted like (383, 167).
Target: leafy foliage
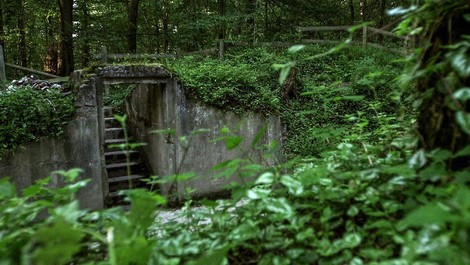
(115, 96)
(27, 114)
(241, 84)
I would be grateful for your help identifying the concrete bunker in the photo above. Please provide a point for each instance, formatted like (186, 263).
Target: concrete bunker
(157, 103)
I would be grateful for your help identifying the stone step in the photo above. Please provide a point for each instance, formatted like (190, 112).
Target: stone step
(120, 153)
(114, 194)
(120, 156)
(113, 133)
(120, 165)
(124, 178)
(114, 141)
(108, 111)
(110, 122)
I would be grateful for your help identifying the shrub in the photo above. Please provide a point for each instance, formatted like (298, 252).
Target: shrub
(27, 114)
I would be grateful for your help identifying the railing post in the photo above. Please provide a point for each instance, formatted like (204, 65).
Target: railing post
(104, 54)
(3, 75)
(364, 36)
(179, 53)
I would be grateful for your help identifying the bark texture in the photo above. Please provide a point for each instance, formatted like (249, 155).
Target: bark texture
(437, 124)
(66, 60)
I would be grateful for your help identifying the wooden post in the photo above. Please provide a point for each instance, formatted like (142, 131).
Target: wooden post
(364, 36)
(3, 75)
(221, 50)
(104, 54)
(178, 53)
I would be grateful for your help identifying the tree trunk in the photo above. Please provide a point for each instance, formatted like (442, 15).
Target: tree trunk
(166, 42)
(221, 27)
(352, 12)
(22, 35)
(132, 15)
(2, 30)
(437, 124)
(383, 5)
(66, 61)
(85, 35)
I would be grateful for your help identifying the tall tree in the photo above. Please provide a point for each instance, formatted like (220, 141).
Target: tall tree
(66, 60)
(2, 29)
(352, 12)
(132, 16)
(85, 33)
(444, 119)
(23, 49)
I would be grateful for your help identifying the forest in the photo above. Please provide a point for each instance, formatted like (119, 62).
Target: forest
(59, 36)
(375, 164)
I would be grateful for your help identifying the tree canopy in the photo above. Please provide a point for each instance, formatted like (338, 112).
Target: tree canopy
(59, 36)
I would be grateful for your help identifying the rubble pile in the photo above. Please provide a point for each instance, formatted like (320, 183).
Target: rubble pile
(34, 82)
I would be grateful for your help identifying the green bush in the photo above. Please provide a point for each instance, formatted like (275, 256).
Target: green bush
(232, 85)
(116, 96)
(27, 114)
(353, 81)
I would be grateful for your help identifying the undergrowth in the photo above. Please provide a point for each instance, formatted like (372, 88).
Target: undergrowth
(355, 81)
(27, 114)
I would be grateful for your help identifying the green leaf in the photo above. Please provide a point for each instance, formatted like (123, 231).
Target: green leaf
(256, 193)
(69, 212)
(434, 172)
(233, 142)
(429, 214)
(296, 48)
(70, 175)
(463, 152)
(258, 136)
(398, 11)
(120, 119)
(462, 94)
(295, 186)
(60, 242)
(460, 62)
(351, 240)
(285, 69)
(215, 257)
(463, 119)
(351, 98)
(142, 211)
(265, 178)
(418, 160)
(280, 206)
(7, 189)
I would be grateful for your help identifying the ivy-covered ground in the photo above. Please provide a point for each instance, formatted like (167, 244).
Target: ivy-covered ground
(320, 99)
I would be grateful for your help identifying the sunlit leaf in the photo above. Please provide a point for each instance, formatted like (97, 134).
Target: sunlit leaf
(265, 178)
(398, 11)
(463, 119)
(460, 61)
(296, 48)
(418, 160)
(462, 94)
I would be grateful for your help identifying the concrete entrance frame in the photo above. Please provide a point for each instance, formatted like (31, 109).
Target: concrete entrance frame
(159, 102)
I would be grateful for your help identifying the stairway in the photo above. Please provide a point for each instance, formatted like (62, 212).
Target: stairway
(116, 162)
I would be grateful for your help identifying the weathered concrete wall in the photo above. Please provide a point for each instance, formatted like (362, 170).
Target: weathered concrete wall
(164, 106)
(79, 147)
